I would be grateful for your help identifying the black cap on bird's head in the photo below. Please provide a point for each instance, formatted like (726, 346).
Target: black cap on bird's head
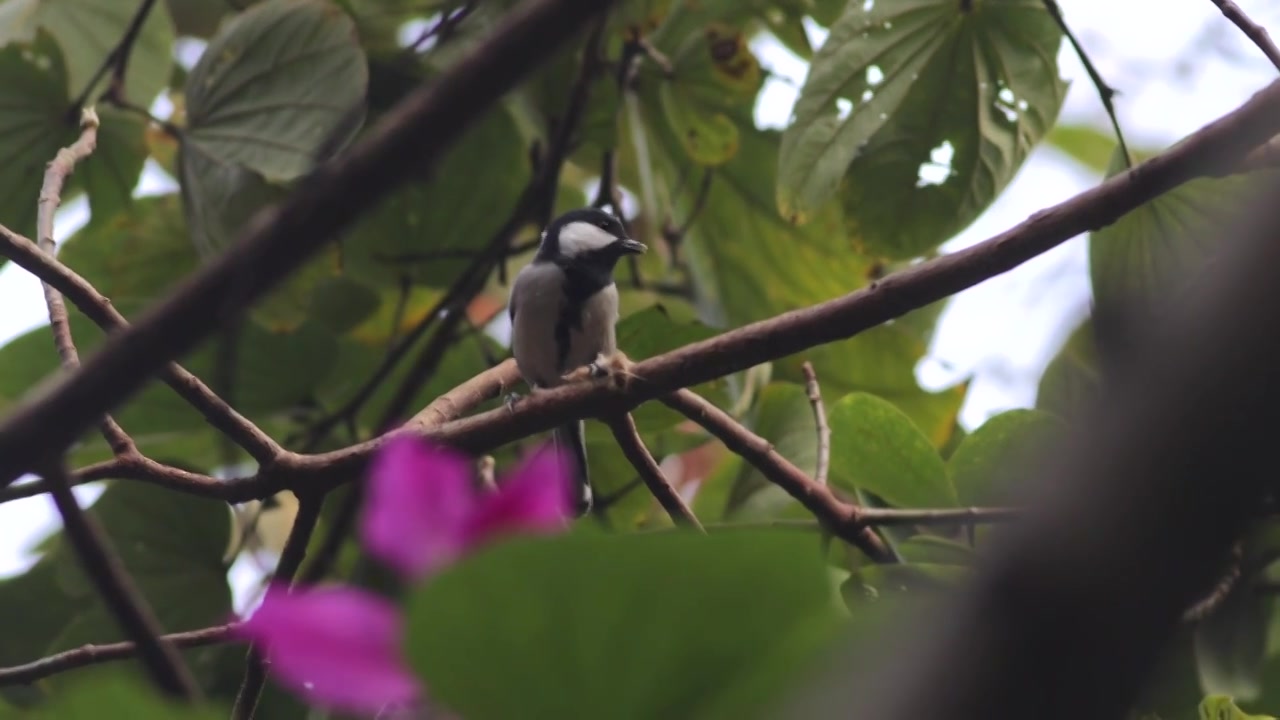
(587, 234)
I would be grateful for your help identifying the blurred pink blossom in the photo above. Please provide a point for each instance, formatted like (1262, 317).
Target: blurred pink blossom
(337, 647)
(422, 512)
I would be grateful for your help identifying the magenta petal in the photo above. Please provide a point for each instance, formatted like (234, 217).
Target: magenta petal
(337, 647)
(418, 505)
(534, 498)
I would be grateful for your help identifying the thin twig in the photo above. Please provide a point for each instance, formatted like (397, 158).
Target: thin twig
(628, 437)
(883, 517)
(87, 655)
(1105, 91)
(99, 309)
(131, 466)
(295, 549)
(1251, 29)
(130, 610)
(843, 519)
(117, 61)
(820, 420)
(55, 176)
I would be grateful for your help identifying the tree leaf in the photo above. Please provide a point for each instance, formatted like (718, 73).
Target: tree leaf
(1231, 644)
(429, 231)
(1086, 144)
(111, 173)
(272, 85)
(783, 416)
(119, 695)
(998, 455)
(742, 613)
(269, 90)
(924, 110)
(86, 32)
(33, 126)
(1162, 245)
(1221, 707)
(715, 74)
(875, 447)
(1071, 380)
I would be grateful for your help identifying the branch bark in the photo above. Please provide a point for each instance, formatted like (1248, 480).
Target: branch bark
(1251, 29)
(628, 437)
(108, 575)
(86, 655)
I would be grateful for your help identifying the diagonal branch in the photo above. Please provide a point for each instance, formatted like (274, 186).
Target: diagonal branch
(1251, 29)
(117, 61)
(86, 655)
(99, 309)
(104, 569)
(823, 467)
(628, 437)
(1105, 92)
(841, 518)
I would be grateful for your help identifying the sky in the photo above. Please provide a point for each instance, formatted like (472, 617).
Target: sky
(1176, 69)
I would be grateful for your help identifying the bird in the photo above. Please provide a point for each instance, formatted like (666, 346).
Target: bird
(564, 311)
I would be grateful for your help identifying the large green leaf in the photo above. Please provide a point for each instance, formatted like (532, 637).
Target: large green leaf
(1072, 378)
(923, 110)
(1231, 644)
(272, 86)
(875, 447)
(1221, 707)
(86, 32)
(783, 416)
(625, 626)
(33, 125)
(1163, 244)
(715, 77)
(429, 231)
(998, 455)
(120, 695)
(111, 173)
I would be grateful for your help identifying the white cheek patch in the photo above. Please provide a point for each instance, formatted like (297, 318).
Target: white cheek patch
(578, 238)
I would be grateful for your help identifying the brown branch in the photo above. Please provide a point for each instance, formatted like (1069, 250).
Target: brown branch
(132, 613)
(55, 176)
(467, 396)
(883, 517)
(99, 309)
(87, 655)
(295, 549)
(407, 142)
(814, 392)
(1251, 29)
(841, 518)
(628, 437)
(131, 466)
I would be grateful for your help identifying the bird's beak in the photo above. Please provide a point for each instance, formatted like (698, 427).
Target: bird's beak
(631, 247)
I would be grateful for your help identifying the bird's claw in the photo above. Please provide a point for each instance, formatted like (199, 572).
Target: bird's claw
(511, 399)
(597, 371)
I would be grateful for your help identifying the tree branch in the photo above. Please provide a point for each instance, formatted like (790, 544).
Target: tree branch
(117, 61)
(1251, 29)
(820, 420)
(1105, 91)
(628, 437)
(407, 142)
(104, 569)
(86, 655)
(131, 466)
(99, 309)
(841, 518)
(295, 549)
(55, 176)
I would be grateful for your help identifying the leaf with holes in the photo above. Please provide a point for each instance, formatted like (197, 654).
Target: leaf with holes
(271, 88)
(876, 448)
(1164, 244)
(918, 113)
(715, 76)
(86, 32)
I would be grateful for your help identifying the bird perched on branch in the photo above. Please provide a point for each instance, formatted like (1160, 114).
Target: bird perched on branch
(563, 309)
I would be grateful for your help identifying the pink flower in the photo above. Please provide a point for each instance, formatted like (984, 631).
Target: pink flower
(337, 647)
(422, 512)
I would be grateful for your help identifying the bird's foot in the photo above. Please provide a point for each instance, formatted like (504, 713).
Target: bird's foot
(511, 399)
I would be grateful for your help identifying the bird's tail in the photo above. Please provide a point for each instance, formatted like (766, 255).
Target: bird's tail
(569, 439)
